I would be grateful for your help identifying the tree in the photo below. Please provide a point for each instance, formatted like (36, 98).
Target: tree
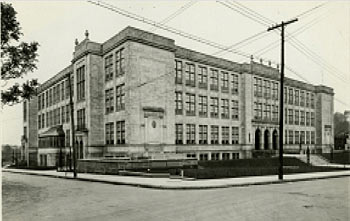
(16, 60)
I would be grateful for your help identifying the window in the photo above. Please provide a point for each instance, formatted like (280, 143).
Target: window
(275, 90)
(25, 106)
(190, 133)
(190, 105)
(203, 156)
(39, 121)
(62, 91)
(58, 99)
(286, 115)
(81, 119)
(67, 113)
(179, 134)
(312, 102)
(214, 107)
(50, 97)
(81, 83)
(258, 87)
(120, 132)
(296, 117)
(296, 137)
(225, 135)
(234, 110)
(307, 99)
(312, 137)
(109, 101)
(302, 98)
(203, 77)
(290, 116)
(109, 67)
(203, 106)
(119, 62)
(235, 135)
(274, 113)
(313, 119)
(178, 103)
(120, 98)
(67, 89)
(72, 85)
(224, 109)
(214, 80)
(224, 82)
(302, 137)
(109, 133)
(47, 119)
(234, 84)
(267, 111)
(307, 118)
(296, 97)
(43, 120)
(190, 75)
(43, 101)
(307, 137)
(285, 95)
(203, 134)
(58, 116)
(290, 136)
(214, 134)
(178, 72)
(302, 118)
(225, 156)
(63, 114)
(267, 89)
(290, 94)
(215, 156)
(258, 110)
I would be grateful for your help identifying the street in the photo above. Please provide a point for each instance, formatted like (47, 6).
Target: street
(28, 197)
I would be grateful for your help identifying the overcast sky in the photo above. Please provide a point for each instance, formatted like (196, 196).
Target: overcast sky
(325, 31)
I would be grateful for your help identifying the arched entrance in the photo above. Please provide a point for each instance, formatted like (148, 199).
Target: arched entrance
(266, 139)
(274, 139)
(257, 139)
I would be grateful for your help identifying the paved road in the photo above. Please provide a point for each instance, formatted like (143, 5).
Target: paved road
(27, 197)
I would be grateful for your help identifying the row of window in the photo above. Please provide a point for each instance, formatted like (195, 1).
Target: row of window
(265, 111)
(54, 117)
(215, 106)
(299, 137)
(265, 88)
(120, 99)
(296, 117)
(299, 97)
(109, 132)
(222, 80)
(55, 94)
(118, 56)
(186, 134)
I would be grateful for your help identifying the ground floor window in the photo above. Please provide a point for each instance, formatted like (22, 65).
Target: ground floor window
(225, 156)
(203, 156)
(215, 156)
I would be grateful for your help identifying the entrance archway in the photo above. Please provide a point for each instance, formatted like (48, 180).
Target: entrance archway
(274, 140)
(257, 139)
(266, 139)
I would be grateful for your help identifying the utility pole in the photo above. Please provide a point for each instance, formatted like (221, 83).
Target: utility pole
(282, 26)
(72, 126)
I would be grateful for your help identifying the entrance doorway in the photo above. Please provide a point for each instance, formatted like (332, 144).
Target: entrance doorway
(274, 140)
(266, 139)
(257, 139)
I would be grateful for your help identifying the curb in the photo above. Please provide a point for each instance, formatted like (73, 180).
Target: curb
(164, 187)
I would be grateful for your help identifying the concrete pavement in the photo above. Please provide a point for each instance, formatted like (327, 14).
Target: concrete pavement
(170, 183)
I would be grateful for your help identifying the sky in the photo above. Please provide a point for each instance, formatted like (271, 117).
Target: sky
(323, 30)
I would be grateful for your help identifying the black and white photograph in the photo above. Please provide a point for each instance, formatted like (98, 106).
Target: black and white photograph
(175, 110)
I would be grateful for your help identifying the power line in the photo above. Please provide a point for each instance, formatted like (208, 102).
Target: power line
(164, 27)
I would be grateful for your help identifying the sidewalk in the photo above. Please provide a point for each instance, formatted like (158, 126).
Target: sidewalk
(168, 183)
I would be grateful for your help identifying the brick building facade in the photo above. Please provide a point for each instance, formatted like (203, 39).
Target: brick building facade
(139, 94)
